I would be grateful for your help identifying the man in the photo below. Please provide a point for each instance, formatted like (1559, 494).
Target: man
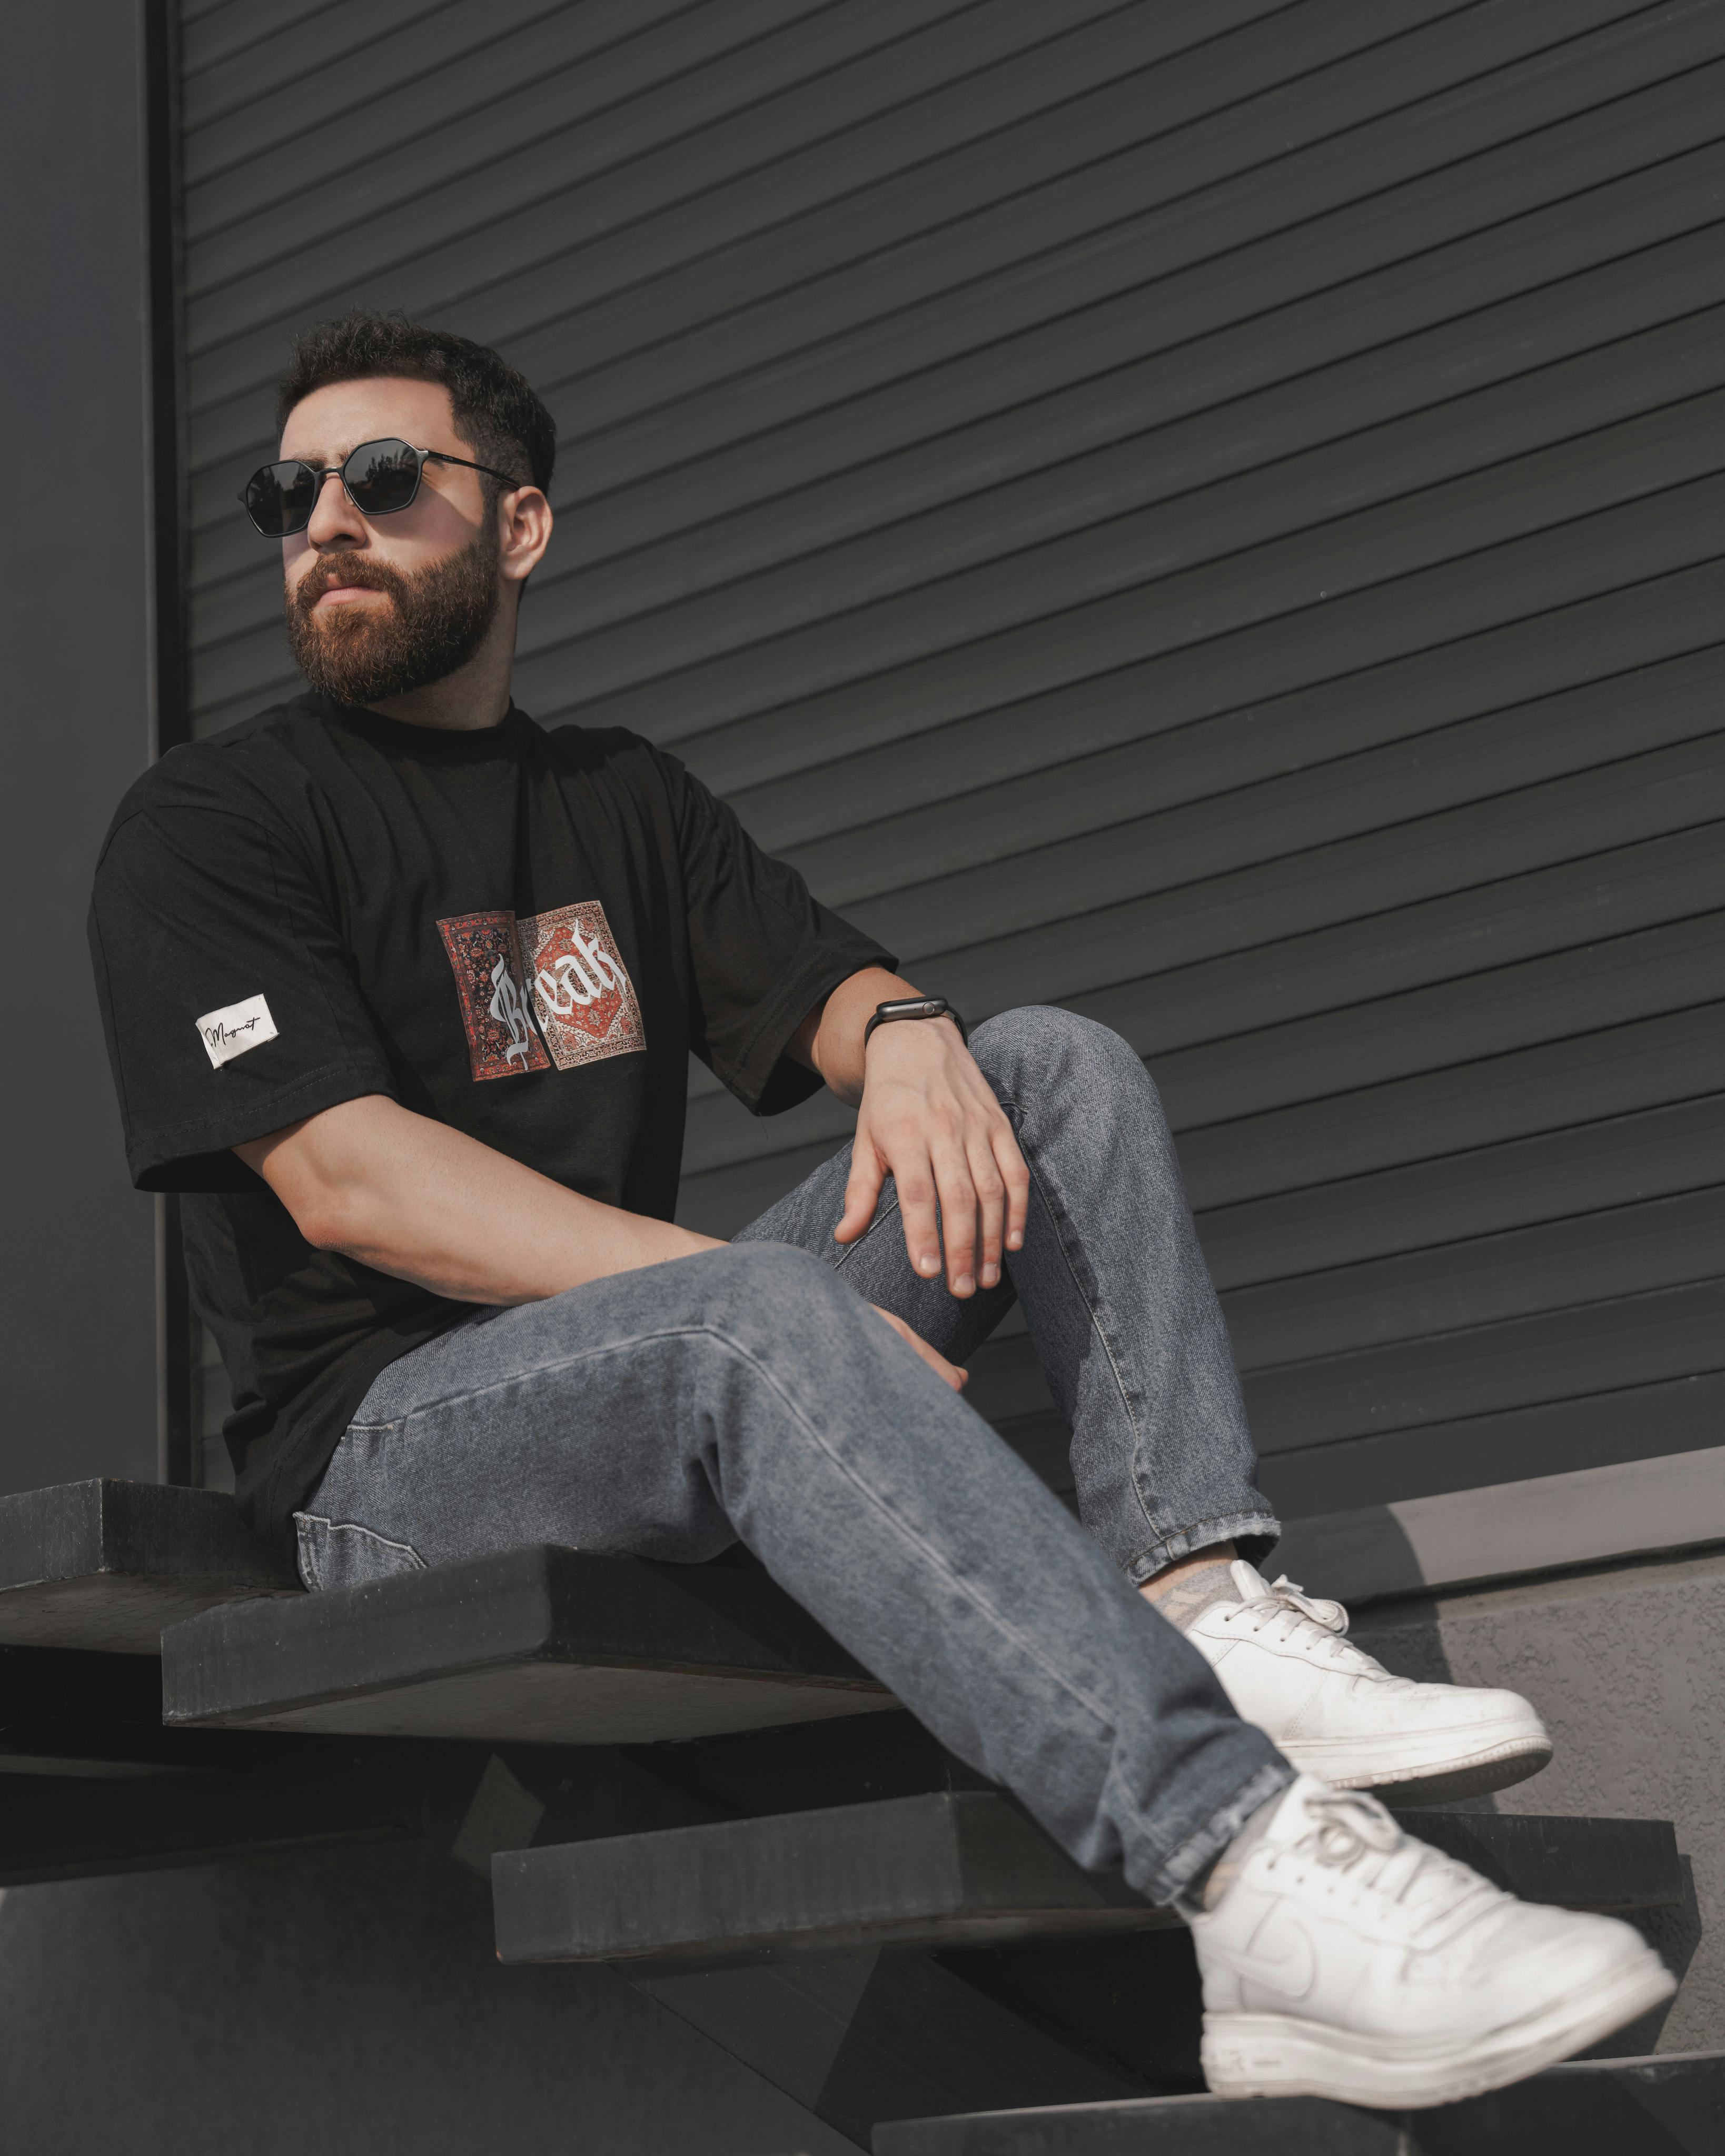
(400, 990)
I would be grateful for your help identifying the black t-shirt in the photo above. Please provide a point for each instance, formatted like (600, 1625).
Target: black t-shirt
(519, 932)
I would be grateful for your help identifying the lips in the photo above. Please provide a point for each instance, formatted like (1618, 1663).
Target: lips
(344, 591)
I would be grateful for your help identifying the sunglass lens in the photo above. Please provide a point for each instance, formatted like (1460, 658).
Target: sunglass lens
(278, 498)
(381, 476)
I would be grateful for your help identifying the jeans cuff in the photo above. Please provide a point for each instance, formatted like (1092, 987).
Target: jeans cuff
(1259, 1531)
(1195, 1857)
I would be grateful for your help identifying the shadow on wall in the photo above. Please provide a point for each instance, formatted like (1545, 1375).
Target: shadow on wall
(344, 2004)
(1627, 1742)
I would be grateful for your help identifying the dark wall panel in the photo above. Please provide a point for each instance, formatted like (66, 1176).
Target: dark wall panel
(1205, 514)
(77, 1288)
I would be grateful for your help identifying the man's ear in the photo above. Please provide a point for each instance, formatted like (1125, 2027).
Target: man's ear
(524, 522)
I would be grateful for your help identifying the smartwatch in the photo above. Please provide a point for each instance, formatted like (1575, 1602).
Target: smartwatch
(914, 1007)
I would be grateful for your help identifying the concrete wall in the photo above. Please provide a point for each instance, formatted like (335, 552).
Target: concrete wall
(1626, 1666)
(348, 2004)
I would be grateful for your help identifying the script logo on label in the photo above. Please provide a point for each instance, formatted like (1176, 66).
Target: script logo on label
(235, 1028)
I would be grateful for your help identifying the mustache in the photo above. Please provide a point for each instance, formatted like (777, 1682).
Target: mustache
(337, 569)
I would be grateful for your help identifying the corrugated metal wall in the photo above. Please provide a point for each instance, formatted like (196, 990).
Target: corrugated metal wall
(1206, 511)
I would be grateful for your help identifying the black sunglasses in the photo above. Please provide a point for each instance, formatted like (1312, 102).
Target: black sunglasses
(380, 477)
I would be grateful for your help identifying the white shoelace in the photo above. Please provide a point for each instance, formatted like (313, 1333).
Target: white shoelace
(1354, 1833)
(1292, 1614)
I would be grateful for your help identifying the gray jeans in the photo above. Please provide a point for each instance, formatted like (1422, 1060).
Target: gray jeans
(749, 1394)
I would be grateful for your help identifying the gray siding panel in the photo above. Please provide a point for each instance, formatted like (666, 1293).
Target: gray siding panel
(1204, 514)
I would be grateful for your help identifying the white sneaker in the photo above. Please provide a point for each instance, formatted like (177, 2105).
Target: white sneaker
(1348, 1960)
(1332, 1711)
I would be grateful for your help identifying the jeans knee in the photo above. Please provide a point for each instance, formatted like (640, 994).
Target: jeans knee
(772, 1278)
(1039, 1046)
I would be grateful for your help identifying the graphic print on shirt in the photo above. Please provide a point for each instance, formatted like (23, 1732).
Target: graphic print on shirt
(582, 997)
(563, 969)
(501, 1039)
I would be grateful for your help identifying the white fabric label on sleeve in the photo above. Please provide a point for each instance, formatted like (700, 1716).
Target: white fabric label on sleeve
(236, 1027)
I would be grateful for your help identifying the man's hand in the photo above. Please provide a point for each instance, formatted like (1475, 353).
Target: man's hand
(948, 1373)
(928, 1118)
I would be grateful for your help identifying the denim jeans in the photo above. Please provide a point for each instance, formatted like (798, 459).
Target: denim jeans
(749, 1392)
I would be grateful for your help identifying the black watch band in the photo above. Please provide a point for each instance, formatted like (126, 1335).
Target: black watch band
(888, 1013)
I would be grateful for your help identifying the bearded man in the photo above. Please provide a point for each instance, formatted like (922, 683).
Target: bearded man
(400, 990)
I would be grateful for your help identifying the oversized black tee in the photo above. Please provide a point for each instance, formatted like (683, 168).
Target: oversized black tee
(521, 932)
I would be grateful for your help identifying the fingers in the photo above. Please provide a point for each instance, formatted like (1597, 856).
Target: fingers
(990, 1188)
(862, 1190)
(914, 1179)
(948, 1373)
(931, 1121)
(1016, 1176)
(958, 1215)
(982, 1187)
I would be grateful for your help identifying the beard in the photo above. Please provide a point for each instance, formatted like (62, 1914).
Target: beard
(437, 620)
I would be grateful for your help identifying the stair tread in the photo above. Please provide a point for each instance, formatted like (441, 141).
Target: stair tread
(948, 1869)
(1673, 2102)
(104, 1565)
(538, 1645)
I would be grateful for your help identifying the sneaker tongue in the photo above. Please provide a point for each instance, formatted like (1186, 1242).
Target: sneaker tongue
(1251, 1582)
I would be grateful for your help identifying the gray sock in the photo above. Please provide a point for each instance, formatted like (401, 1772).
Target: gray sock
(1226, 1870)
(1191, 1594)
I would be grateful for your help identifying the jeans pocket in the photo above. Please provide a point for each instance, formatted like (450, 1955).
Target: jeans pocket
(341, 1553)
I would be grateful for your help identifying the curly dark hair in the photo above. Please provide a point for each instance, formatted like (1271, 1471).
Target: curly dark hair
(496, 413)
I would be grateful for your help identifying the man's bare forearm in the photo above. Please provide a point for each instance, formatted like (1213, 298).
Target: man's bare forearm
(427, 1203)
(831, 1039)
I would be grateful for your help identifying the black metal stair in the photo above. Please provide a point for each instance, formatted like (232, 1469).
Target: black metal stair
(1082, 1996)
(541, 1645)
(91, 1780)
(948, 1869)
(104, 1565)
(674, 1770)
(1668, 2106)
(954, 1867)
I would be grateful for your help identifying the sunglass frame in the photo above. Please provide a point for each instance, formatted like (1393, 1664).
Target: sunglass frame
(319, 473)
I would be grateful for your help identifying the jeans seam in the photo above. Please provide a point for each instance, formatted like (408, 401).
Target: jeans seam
(358, 1527)
(884, 1209)
(1064, 1214)
(907, 1534)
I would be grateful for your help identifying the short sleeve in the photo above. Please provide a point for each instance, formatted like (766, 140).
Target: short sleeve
(765, 951)
(229, 1001)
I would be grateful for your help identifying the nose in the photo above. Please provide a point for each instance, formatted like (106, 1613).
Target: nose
(333, 515)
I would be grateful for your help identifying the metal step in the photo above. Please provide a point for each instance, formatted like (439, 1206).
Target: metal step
(948, 1869)
(1668, 2106)
(955, 1867)
(104, 1565)
(539, 1646)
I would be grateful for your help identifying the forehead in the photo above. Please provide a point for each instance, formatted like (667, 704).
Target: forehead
(331, 421)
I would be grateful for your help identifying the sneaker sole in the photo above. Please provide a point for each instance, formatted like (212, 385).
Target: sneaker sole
(1263, 2055)
(1471, 1769)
